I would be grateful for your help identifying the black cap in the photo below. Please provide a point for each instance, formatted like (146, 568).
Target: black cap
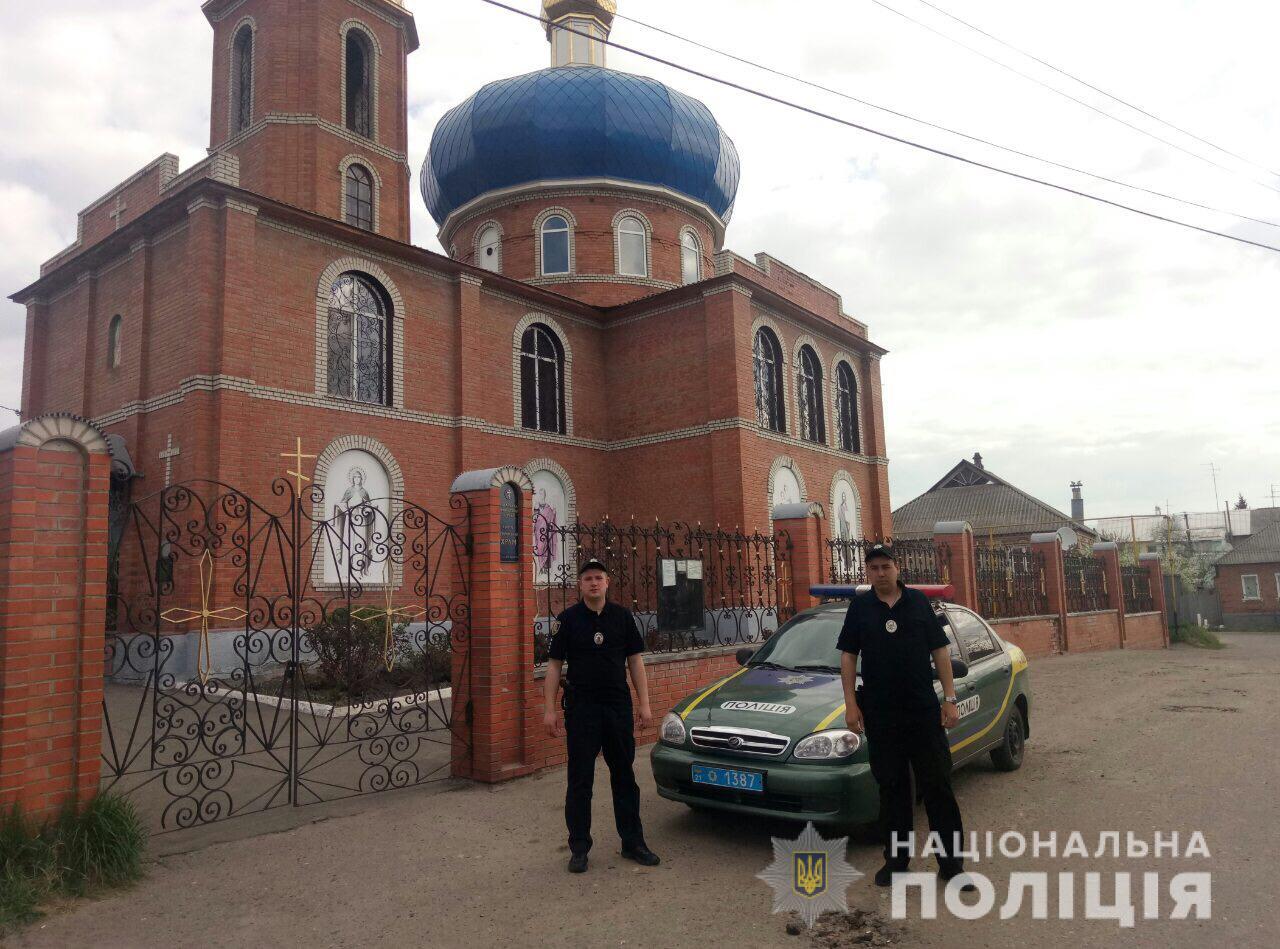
(880, 550)
(593, 564)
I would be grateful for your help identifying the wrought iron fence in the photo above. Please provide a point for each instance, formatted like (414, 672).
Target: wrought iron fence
(918, 560)
(1136, 583)
(688, 586)
(1011, 582)
(1086, 583)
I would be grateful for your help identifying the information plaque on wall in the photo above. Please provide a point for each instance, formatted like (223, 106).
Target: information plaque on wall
(509, 524)
(680, 594)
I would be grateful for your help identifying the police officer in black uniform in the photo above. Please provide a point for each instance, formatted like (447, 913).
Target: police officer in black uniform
(601, 643)
(896, 632)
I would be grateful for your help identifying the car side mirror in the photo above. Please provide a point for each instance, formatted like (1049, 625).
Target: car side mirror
(744, 655)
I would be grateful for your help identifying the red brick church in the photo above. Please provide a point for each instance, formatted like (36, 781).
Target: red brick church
(587, 324)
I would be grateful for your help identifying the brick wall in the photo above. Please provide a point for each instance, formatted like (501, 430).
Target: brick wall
(1241, 613)
(1036, 636)
(1088, 632)
(1144, 631)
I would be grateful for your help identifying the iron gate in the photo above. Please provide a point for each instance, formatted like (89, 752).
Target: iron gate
(265, 654)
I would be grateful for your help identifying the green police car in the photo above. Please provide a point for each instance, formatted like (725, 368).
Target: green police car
(770, 739)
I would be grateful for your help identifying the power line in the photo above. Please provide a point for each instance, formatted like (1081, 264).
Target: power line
(885, 135)
(14, 411)
(1067, 95)
(943, 128)
(1098, 90)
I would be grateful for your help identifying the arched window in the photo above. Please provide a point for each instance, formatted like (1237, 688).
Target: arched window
(359, 90)
(813, 426)
(768, 376)
(359, 340)
(555, 245)
(113, 342)
(542, 380)
(633, 247)
(690, 258)
(242, 79)
(847, 408)
(489, 248)
(358, 189)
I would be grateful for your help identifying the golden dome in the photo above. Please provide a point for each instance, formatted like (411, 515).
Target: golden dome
(602, 10)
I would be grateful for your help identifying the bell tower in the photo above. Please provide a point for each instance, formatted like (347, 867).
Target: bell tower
(311, 96)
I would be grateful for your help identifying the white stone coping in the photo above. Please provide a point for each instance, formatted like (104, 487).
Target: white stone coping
(398, 703)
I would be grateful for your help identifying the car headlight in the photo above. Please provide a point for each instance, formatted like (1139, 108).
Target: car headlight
(672, 730)
(833, 744)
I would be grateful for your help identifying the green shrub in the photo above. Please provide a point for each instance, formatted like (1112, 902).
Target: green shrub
(349, 649)
(80, 852)
(1197, 636)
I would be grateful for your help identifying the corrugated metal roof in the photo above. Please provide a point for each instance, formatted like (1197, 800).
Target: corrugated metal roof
(1262, 547)
(987, 507)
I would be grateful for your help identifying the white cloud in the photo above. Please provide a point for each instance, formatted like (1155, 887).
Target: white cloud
(1062, 339)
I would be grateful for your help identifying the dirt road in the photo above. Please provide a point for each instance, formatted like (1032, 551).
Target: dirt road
(1180, 740)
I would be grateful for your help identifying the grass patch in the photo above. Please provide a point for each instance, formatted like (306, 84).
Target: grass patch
(1197, 636)
(79, 853)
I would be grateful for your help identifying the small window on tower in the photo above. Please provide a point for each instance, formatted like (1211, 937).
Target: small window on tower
(489, 249)
(113, 342)
(359, 78)
(242, 79)
(555, 245)
(633, 247)
(690, 258)
(359, 195)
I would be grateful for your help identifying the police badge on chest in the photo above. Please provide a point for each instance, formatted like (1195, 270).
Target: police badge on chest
(891, 626)
(598, 638)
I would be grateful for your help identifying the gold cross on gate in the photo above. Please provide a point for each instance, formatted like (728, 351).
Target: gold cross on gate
(297, 457)
(390, 614)
(179, 615)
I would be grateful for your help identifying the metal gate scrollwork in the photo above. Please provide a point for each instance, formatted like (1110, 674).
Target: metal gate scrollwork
(262, 654)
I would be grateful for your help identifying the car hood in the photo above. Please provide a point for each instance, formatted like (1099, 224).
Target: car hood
(782, 701)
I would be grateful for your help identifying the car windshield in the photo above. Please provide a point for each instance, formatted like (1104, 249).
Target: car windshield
(808, 641)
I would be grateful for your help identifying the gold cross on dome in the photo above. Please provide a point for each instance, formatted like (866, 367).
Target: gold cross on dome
(180, 615)
(297, 456)
(390, 614)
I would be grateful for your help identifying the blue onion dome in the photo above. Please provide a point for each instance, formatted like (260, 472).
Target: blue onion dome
(576, 122)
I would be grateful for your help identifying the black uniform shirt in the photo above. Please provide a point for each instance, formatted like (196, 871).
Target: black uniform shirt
(895, 644)
(597, 670)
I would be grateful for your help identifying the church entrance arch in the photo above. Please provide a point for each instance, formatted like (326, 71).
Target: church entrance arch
(284, 650)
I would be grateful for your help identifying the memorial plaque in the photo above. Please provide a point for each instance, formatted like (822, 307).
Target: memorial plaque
(509, 524)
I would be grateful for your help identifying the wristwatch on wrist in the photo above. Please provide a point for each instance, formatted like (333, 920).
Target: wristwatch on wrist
(949, 698)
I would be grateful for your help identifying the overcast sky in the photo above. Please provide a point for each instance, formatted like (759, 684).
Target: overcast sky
(1063, 339)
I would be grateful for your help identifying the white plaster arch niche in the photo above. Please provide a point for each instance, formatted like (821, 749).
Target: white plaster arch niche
(554, 501)
(354, 470)
(786, 485)
(517, 335)
(846, 521)
(396, 324)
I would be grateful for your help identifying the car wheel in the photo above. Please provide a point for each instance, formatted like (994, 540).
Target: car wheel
(1008, 756)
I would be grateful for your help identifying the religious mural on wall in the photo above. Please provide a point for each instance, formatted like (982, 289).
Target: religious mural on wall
(786, 489)
(550, 510)
(357, 499)
(846, 525)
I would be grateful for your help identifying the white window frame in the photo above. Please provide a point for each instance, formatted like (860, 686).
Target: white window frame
(641, 231)
(694, 245)
(539, 227)
(1244, 588)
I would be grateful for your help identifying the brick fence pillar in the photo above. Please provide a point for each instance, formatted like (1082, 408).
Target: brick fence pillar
(1109, 553)
(500, 652)
(1156, 576)
(806, 565)
(1049, 546)
(956, 537)
(54, 482)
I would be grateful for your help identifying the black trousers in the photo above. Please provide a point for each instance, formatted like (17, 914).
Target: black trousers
(898, 745)
(592, 728)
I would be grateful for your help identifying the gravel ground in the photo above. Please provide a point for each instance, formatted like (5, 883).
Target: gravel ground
(1130, 741)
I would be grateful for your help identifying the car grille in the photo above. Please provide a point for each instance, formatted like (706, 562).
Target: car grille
(745, 740)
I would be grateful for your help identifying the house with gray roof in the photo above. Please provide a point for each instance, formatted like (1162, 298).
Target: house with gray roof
(999, 512)
(1248, 581)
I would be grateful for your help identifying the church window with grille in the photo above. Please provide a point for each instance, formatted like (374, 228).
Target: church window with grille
(359, 81)
(242, 79)
(358, 188)
(847, 408)
(633, 247)
(555, 245)
(812, 423)
(359, 340)
(768, 379)
(542, 380)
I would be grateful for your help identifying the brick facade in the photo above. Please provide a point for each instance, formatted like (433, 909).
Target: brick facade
(1239, 612)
